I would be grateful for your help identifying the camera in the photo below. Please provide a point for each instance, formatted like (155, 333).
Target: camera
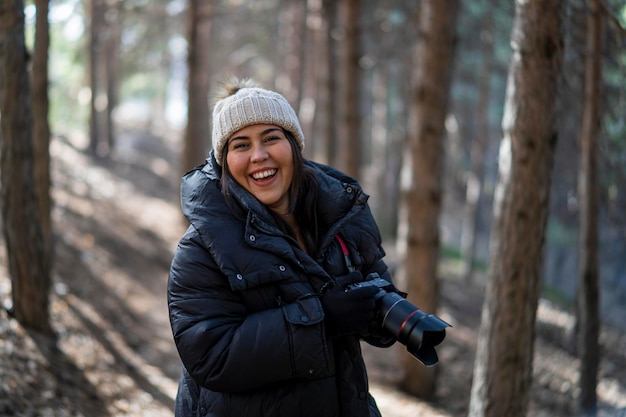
(418, 331)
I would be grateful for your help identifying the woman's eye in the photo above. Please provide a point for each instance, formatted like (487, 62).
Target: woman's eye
(271, 138)
(239, 146)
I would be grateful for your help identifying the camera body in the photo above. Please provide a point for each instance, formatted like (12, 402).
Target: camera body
(418, 331)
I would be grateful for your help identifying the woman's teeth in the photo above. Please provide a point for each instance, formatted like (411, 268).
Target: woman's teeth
(264, 174)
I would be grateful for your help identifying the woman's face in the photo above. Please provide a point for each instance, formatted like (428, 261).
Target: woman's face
(260, 159)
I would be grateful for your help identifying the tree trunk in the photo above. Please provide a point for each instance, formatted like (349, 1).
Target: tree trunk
(111, 54)
(588, 315)
(197, 135)
(374, 174)
(350, 136)
(504, 357)
(330, 16)
(41, 128)
(435, 53)
(28, 266)
(292, 38)
(475, 178)
(315, 95)
(96, 13)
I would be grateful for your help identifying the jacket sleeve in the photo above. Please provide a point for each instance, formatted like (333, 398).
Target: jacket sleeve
(226, 349)
(367, 245)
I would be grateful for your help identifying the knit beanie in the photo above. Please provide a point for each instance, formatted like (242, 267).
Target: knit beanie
(247, 104)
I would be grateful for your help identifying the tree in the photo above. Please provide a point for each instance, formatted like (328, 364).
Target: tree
(292, 45)
(588, 275)
(315, 73)
(104, 67)
(28, 264)
(96, 14)
(41, 128)
(330, 17)
(198, 134)
(503, 365)
(474, 187)
(350, 129)
(110, 53)
(433, 72)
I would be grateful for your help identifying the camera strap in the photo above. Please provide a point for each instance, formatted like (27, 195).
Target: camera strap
(346, 254)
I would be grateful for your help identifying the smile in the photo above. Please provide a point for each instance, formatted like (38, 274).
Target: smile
(264, 174)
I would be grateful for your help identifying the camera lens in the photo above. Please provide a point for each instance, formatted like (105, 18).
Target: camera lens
(418, 331)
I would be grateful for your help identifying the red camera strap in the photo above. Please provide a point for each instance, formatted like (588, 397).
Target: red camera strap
(346, 254)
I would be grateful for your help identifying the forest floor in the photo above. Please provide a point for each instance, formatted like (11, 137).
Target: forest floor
(117, 223)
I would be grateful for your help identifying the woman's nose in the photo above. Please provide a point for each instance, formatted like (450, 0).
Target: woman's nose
(259, 153)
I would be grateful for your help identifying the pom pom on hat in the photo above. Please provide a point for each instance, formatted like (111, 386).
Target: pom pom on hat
(243, 103)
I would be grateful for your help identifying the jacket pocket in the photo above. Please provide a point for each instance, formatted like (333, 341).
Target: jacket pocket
(305, 312)
(311, 354)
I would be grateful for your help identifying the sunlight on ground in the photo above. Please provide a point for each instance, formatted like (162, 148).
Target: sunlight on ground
(151, 373)
(610, 390)
(395, 404)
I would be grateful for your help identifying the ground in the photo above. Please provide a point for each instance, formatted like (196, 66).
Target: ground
(117, 221)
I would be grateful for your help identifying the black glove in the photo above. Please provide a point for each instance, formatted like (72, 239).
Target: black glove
(349, 311)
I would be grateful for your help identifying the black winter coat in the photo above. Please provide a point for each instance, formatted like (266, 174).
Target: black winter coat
(246, 322)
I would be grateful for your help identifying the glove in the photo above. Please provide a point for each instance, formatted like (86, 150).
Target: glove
(349, 311)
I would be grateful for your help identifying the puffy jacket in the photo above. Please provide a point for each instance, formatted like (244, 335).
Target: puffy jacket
(245, 317)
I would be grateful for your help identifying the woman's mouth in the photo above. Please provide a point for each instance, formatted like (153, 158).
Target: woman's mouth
(264, 174)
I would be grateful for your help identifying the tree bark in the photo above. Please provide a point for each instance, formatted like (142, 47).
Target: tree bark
(504, 357)
(350, 129)
(293, 39)
(96, 13)
(28, 266)
(111, 52)
(433, 73)
(197, 134)
(41, 128)
(330, 16)
(588, 315)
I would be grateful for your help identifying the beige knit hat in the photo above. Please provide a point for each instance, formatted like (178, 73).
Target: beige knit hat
(247, 104)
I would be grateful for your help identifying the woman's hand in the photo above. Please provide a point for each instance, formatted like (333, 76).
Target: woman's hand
(349, 311)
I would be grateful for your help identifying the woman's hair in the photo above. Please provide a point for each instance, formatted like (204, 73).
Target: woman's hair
(303, 195)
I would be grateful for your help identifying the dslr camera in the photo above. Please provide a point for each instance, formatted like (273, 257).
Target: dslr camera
(418, 331)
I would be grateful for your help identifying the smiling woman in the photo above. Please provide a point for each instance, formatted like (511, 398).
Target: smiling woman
(256, 293)
(260, 160)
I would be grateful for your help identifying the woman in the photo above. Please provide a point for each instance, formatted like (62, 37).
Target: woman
(259, 309)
